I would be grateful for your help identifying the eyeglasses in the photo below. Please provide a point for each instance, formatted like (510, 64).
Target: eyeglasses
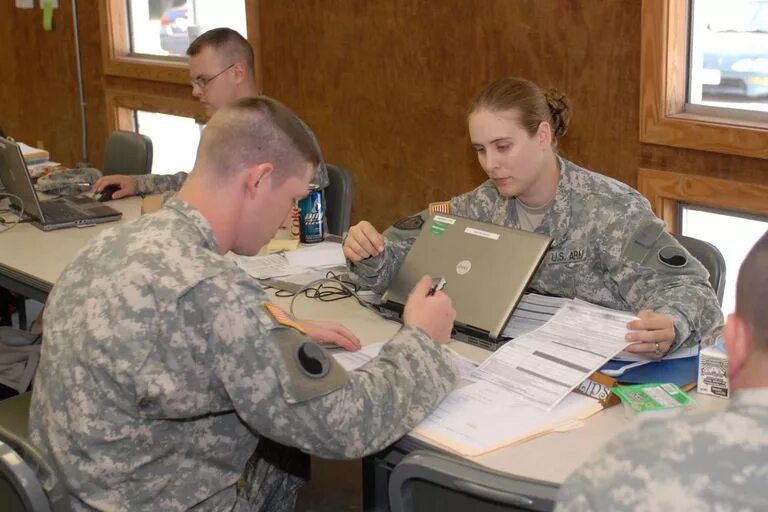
(202, 82)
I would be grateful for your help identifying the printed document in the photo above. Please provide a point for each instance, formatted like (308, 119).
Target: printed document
(354, 360)
(482, 417)
(532, 312)
(544, 365)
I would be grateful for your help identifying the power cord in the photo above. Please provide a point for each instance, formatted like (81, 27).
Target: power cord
(7, 226)
(320, 290)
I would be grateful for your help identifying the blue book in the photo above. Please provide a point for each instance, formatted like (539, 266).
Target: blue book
(680, 371)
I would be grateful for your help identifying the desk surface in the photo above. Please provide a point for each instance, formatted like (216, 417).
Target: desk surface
(31, 260)
(34, 259)
(551, 457)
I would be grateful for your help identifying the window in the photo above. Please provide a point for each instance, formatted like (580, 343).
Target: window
(148, 39)
(167, 27)
(174, 140)
(728, 62)
(732, 233)
(667, 115)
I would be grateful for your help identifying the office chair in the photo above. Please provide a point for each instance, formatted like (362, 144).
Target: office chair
(27, 481)
(711, 258)
(338, 199)
(426, 480)
(127, 153)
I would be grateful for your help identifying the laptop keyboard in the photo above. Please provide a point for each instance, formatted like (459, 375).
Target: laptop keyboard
(60, 211)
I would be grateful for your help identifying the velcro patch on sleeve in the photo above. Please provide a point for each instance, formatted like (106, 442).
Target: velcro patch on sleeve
(443, 207)
(281, 317)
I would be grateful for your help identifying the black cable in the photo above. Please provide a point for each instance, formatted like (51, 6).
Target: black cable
(341, 290)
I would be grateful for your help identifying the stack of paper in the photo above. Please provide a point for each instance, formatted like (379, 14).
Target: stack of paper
(532, 312)
(33, 155)
(483, 417)
(315, 256)
(545, 365)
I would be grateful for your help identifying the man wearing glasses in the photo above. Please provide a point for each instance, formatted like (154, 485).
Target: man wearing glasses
(222, 71)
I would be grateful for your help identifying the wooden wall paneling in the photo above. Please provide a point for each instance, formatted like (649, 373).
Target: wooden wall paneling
(385, 84)
(41, 99)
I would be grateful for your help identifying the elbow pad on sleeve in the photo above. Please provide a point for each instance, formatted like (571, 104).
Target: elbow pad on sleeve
(309, 371)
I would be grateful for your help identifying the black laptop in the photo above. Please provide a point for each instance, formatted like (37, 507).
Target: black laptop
(64, 212)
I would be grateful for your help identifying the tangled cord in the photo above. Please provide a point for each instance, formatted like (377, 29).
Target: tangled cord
(327, 289)
(7, 226)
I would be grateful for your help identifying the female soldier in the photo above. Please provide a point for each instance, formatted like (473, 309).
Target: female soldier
(608, 247)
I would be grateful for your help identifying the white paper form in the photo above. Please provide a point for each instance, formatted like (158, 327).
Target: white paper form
(532, 312)
(263, 267)
(544, 365)
(324, 254)
(482, 417)
(354, 360)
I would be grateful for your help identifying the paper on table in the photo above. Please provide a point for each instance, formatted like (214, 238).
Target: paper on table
(324, 254)
(278, 245)
(531, 313)
(354, 360)
(678, 354)
(483, 417)
(32, 155)
(262, 267)
(464, 365)
(544, 365)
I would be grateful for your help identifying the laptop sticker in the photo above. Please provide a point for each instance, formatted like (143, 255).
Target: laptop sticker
(480, 232)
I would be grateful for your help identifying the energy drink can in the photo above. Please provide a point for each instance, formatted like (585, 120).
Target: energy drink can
(312, 216)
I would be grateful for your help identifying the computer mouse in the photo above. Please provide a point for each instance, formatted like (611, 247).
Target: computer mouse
(106, 193)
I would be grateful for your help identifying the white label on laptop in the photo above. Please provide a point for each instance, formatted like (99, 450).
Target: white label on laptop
(480, 232)
(445, 220)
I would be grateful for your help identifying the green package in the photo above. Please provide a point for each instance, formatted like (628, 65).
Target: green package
(653, 397)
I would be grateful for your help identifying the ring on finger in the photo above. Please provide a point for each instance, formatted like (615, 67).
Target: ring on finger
(658, 349)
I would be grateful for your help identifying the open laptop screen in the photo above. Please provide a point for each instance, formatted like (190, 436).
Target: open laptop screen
(486, 268)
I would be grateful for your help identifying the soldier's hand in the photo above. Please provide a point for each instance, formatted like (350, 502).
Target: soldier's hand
(330, 333)
(433, 314)
(126, 183)
(362, 242)
(652, 334)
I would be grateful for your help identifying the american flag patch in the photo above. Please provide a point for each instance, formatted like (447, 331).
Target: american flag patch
(282, 317)
(443, 207)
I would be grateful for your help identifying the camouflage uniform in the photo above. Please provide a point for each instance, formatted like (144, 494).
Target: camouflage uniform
(161, 371)
(696, 463)
(608, 248)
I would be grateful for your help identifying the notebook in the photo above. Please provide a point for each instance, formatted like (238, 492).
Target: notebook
(65, 212)
(486, 270)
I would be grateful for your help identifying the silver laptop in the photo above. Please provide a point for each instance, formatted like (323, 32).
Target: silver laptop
(65, 212)
(486, 270)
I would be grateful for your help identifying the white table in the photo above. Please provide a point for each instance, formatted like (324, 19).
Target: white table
(31, 260)
(551, 457)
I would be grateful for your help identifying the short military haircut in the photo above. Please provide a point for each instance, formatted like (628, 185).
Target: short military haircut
(256, 130)
(227, 43)
(752, 292)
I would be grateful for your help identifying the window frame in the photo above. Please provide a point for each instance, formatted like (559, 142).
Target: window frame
(663, 85)
(118, 61)
(120, 103)
(666, 190)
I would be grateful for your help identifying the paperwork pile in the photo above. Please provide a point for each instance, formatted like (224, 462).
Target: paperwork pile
(546, 364)
(315, 256)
